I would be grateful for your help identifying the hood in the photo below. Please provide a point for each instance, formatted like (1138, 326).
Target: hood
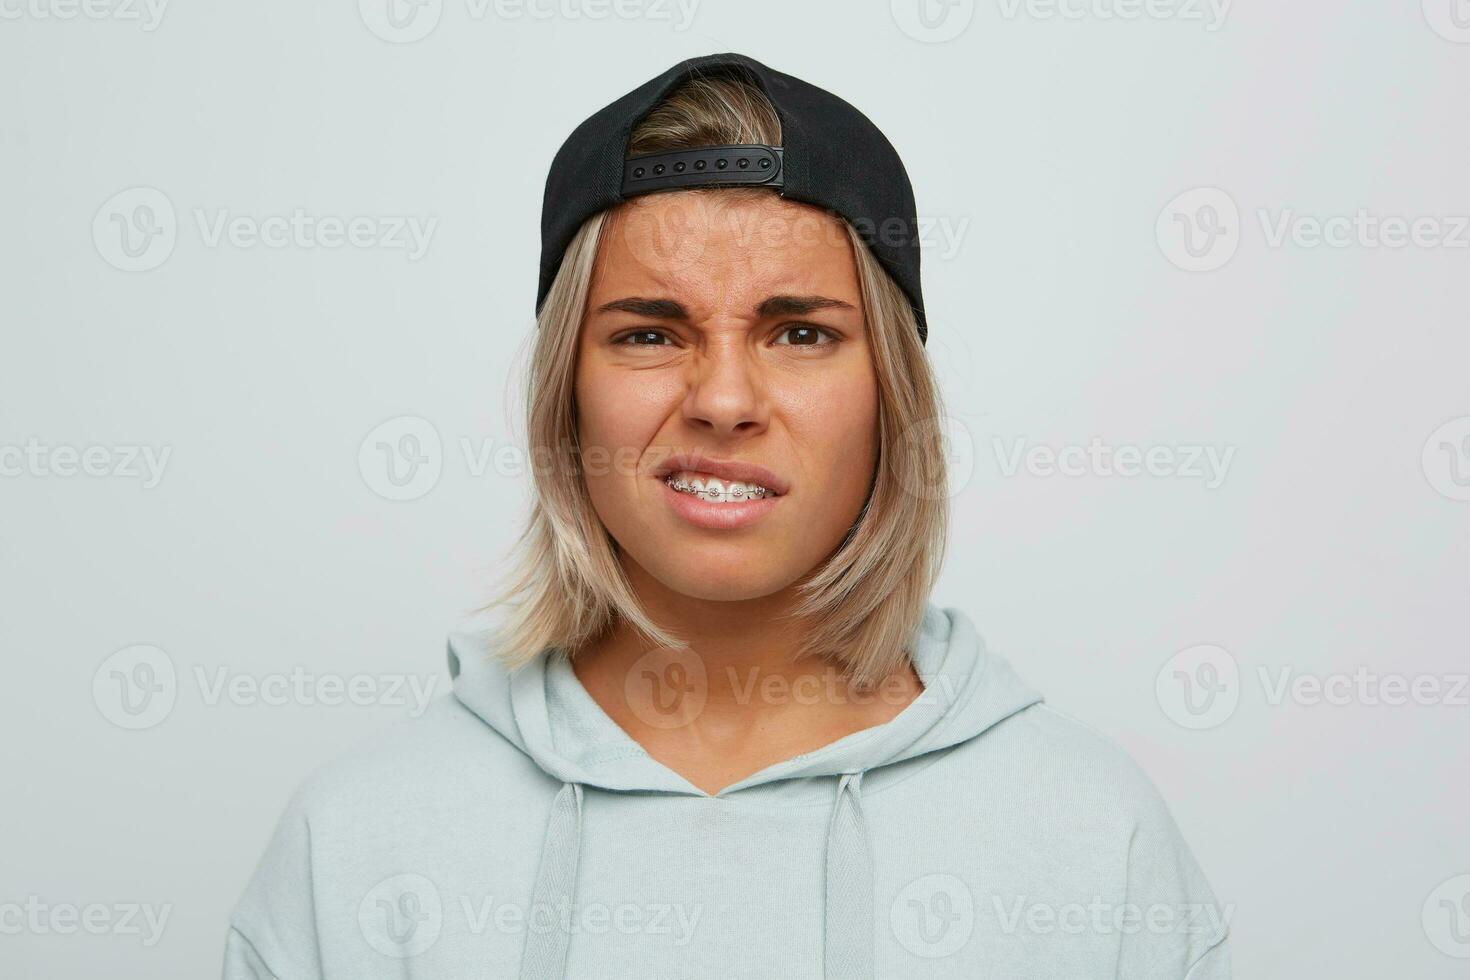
(543, 710)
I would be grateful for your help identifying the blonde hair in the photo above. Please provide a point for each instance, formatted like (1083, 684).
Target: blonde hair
(862, 606)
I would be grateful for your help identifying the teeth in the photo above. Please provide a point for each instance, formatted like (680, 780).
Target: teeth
(716, 490)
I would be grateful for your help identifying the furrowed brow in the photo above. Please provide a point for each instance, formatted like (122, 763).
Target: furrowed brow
(797, 305)
(658, 309)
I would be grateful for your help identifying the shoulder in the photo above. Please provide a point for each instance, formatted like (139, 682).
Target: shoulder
(1063, 758)
(1089, 774)
(445, 755)
(397, 799)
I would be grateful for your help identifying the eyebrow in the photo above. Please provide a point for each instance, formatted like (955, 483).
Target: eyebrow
(773, 306)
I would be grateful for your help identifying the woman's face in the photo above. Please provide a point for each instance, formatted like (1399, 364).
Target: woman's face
(728, 327)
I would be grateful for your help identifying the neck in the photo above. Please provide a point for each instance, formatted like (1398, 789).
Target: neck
(737, 699)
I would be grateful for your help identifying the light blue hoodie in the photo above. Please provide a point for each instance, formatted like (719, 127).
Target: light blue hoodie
(515, 830)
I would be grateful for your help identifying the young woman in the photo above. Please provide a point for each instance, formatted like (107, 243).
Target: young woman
(724, 732)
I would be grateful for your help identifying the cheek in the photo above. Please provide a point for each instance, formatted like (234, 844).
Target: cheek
(618, 417)
(836, 432)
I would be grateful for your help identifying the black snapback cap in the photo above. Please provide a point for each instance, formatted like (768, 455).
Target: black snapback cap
(832, 157)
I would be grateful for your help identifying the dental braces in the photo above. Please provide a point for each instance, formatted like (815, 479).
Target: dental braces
(756, 493)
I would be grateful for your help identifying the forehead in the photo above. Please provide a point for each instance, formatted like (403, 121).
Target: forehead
(721, 251)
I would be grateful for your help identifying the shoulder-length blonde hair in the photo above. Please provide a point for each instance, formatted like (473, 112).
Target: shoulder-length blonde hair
(861, 607)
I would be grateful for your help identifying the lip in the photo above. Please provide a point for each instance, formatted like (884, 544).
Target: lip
(718, 517)
(725, 469)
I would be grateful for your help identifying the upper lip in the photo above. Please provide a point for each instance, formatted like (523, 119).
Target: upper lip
(725, 469)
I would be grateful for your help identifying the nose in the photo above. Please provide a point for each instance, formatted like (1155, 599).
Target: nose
(726, 393)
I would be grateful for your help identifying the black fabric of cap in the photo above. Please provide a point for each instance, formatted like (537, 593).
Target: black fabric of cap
(834, 158)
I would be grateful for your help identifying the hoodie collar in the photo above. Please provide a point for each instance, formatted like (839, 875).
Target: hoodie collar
(544, 711)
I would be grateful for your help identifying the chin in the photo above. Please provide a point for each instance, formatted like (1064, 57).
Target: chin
(728, 586)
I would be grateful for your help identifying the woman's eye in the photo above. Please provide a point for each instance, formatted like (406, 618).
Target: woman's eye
(804, 335)
(643, 338)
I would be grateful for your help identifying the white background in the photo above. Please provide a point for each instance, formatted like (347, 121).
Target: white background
(1047, 141)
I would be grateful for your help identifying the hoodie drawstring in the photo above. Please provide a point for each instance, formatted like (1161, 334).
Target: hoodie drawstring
(847, 948)
(545, 955)
(847, 944)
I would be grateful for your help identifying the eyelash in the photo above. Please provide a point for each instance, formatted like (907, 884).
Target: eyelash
(622, 340)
